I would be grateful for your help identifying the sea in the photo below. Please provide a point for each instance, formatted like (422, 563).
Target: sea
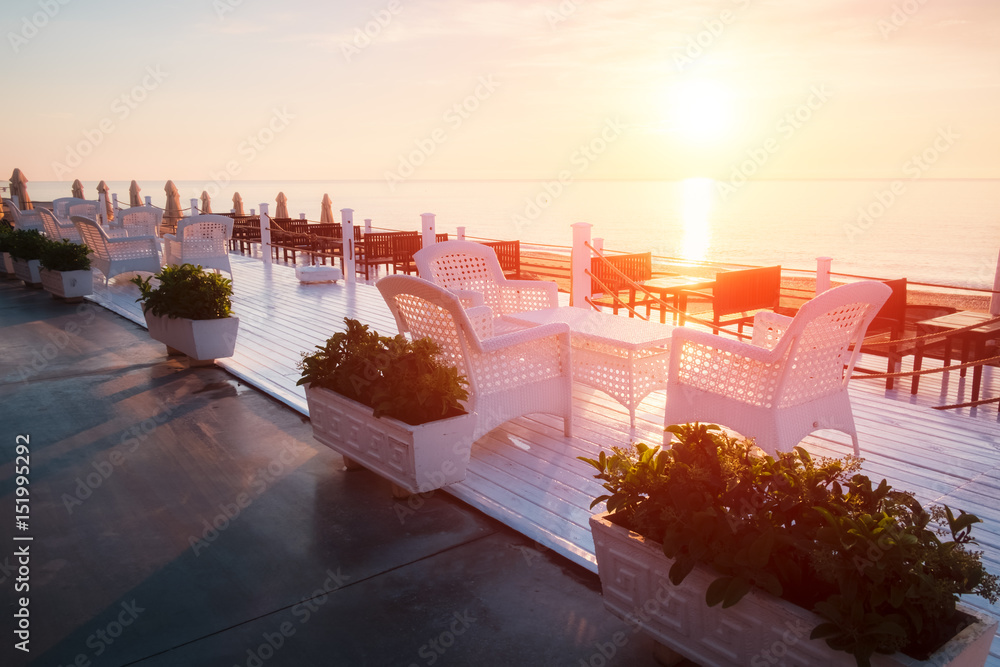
(926, 230)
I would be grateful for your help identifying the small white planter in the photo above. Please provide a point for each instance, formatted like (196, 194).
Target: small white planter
(28, 271)
(68, 285)
(202, 340)
(758, 630)
(7, 266)
(418, 458)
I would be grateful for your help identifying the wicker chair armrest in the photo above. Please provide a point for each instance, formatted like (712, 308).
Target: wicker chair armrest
(520, 295)
(768, 328)
(481, 318)
(469, 298)
(729, 347)
(507, 340)
(133, 239)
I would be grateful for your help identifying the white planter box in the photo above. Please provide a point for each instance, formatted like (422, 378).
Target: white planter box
(28, 271)
(759, 630)
(69, 285)
(7, 265)
(417, 458)
(199, 339)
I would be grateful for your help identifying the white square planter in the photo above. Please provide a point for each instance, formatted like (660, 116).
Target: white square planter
(758, 630)
(28, 271)
(68, 285)
(7, 265)
(417, 458)
(202, 340)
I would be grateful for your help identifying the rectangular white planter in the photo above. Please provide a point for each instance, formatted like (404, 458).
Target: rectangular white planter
(199, 339)
(28, 271)
(7, 265)
(417, 458)
(68, 284)
(759, 630)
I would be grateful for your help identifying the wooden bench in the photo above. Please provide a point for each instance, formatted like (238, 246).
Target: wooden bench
(739, 293)
(638, 267)
(509, 256)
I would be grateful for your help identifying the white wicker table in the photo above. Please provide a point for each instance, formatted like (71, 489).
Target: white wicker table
(623, 357)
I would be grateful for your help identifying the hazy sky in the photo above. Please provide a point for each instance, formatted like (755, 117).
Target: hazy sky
(250, 89)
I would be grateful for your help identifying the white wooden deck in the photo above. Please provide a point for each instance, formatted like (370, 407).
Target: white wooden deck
(525, 473)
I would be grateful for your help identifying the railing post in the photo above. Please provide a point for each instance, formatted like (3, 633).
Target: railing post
(368, 225)
(265, 233)
(823, 274)
(194, 207)
(302, 216)
(114, 203)
(460, 233)
(995, 298)
(427, 224)
(149, 201)
(598, 245)
(102, 209)
(347, 231)
(579, 265)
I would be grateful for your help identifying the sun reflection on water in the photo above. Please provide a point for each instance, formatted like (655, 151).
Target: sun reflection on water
(696, 209)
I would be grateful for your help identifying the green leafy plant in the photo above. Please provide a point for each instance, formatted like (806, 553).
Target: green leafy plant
(395, 377)
(5, 238)
(186, 291)
(884, 573)
(65, 256)
(26, 244)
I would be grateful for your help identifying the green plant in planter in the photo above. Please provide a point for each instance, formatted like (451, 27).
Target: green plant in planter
(65, 256)
(5, 238)
(395, 377)
(26, 244)
(883, 572)
(186, 291)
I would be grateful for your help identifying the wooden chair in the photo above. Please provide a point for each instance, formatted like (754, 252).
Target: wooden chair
(739, 292)
(638, 267)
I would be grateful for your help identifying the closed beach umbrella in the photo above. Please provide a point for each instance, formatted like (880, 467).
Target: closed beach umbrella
(19, 187)
(133, 194)
(326, 212)
(206, 202)
(172, 213)
(282, 210)
(238, 204)
(102, 188)
(77, 189)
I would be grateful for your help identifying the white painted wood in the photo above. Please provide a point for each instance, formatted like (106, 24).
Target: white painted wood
(823, 274)
(427, 225)
(579, 265)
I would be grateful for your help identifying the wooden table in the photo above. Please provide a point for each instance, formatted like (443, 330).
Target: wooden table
(973, 341)
(668, 288)
(624, 357)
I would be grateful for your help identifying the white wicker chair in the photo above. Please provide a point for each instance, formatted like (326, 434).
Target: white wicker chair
(118, 255)
(789, 381)
(61, 207)
(464, 268)
(136, 221)
(23, 219)
(56, 229)
(509, 375)
(201, 240)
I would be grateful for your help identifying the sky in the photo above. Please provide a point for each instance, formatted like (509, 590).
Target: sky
(448, 89)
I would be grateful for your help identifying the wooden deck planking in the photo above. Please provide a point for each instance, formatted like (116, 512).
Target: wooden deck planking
(526, 474)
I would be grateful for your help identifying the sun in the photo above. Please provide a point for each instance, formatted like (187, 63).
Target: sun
(700, 111)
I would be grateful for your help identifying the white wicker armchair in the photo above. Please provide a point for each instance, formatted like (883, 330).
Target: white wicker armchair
(61, 207)
(789, 381)
(23, 219)
(201, 240)
(136, 221)
(467, 268)
(56, 229)
(118, 255)
(509, 375)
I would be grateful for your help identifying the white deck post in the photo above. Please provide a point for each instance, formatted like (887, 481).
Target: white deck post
(347, 229)
(368, 225)
(149, 201)
(460, 233)
(579, 265)
(302, 216)
(995, 298)
(427, 224)
(265, 233)
(823, 274)
(598, 245)
(114, 203)
(194, 207)
(102, 209)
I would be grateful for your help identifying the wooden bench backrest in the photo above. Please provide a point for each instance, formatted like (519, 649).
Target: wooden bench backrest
(637, 267)
(745, 290)
(509, 255)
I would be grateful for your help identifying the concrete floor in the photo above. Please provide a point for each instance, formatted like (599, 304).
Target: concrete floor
(180, 517)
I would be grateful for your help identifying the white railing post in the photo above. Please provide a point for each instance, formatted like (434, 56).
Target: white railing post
(368, 225)
(149, 201)
(823, 274)
(427, 225)
(102, 209)
(194, 207)
(347, 230)
(580, 265)
(265, 233)
(302, 216)
(114, 204)
(598, 245)
(995, 298)
(460, 233)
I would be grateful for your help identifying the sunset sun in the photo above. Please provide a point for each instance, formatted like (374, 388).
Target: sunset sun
(700, 111)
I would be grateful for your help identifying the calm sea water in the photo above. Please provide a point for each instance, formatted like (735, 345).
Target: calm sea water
(940, 231)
